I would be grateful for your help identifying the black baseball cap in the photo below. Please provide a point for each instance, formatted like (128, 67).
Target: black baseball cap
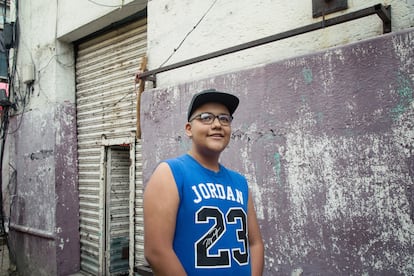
(212, 96)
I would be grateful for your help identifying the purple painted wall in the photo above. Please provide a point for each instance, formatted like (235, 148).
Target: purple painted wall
(44, 222)
(326, 142)
(67, 241)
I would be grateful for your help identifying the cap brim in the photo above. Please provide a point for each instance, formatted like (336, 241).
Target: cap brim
(212, 96)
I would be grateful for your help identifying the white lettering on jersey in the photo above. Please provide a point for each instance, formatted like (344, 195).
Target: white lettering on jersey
(210, 190)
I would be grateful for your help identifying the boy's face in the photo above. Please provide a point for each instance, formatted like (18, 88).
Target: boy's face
(209, 138)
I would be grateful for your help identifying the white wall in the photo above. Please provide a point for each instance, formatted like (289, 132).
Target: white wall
(92, 15)
(230, 23)
(52, 62)
(47, 30)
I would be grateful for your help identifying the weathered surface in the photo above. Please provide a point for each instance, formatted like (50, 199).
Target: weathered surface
(66, 190)
(44, 222)
(326, 142)
(229, 23)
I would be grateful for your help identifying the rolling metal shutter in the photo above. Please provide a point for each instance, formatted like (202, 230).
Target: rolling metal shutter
(106, 118)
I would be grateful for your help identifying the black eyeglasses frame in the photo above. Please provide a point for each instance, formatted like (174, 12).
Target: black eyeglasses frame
(198, 117)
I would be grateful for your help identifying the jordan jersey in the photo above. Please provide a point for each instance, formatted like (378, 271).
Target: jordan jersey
(211, 235)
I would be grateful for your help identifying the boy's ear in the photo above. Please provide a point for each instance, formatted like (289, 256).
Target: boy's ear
(188, 130)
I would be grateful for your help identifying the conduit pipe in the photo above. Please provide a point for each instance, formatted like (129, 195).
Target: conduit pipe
(33, 231)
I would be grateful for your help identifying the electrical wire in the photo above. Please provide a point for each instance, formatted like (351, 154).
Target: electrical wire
(185, 37)
(18, 98)
(4, 124)
(24, 108)
(5, 119)
(105, 5)
(12, 78)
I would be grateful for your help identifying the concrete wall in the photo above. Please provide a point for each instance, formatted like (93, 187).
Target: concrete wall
(222, 24)
(44, 221)
(40, 166)
(92, 16)
(326, 142)
(40, 171)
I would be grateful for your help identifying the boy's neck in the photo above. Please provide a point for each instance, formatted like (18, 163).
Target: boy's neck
(209, 162)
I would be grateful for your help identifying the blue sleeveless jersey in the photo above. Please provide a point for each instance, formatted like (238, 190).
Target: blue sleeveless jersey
(211, 235)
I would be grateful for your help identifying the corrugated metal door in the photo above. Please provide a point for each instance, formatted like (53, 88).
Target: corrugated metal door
(106, 111)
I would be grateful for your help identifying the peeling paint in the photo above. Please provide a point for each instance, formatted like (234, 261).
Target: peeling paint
(45, 181)
(372, 174)
(297, 272)
(326, 142)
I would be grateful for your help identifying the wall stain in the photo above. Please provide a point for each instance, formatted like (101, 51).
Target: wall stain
(405, 93)
(277, 167)
(183, 143)
(42, 154)
(307, 75)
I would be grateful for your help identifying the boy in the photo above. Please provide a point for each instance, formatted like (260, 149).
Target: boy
(199, 217)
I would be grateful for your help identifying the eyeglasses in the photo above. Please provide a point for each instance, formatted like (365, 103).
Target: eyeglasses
(208, 118)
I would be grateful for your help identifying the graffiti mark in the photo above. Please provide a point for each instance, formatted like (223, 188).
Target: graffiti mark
(405, 93)
(307, 75)
(42, 154)
(277, 166)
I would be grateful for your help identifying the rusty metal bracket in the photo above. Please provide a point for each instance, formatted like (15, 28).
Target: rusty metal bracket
(324, 7)
(153, 79)
(384, 12)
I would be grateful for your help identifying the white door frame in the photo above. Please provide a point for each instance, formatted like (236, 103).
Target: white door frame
(105, 143)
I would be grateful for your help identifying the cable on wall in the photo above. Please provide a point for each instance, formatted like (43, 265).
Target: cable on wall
(5, 120)
(185, 37)
(122, 4)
